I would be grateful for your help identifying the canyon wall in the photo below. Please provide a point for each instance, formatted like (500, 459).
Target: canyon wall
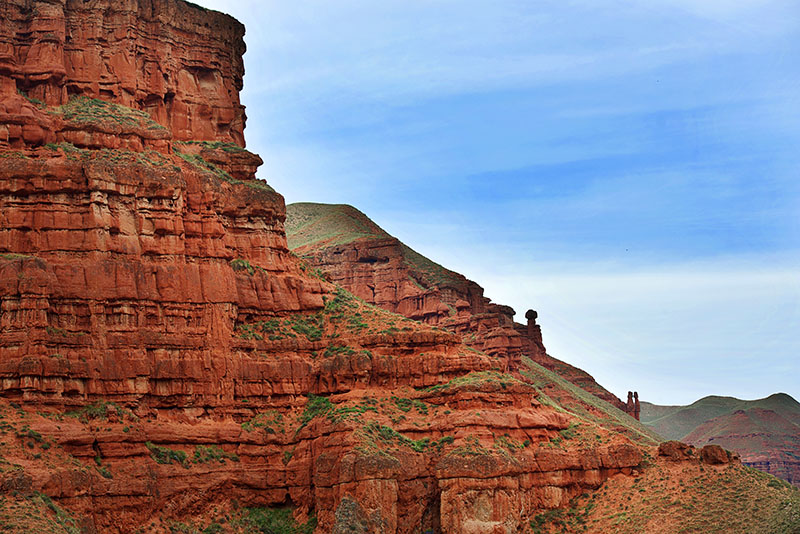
(163, 355)
(180, 63)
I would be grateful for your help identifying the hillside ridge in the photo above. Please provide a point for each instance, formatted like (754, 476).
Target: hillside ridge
(356, 253)
(169, 366)
(765, 432)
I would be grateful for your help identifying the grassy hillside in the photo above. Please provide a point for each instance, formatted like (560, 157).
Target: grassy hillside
(676, 422)
(680, 498)
(313, 227)
(565, 396)
(320, 226)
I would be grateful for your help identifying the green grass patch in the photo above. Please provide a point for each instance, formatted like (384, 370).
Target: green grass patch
(101, 410)
(231, 148)
(35, 101)
(204, 454)
(277, 521)
(271, 421)
(165, 455)
(209, 168)
(83, 110)
(315, 407)
(336, 350)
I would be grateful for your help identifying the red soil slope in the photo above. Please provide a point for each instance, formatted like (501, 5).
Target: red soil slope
(764, 439)
(765, 432)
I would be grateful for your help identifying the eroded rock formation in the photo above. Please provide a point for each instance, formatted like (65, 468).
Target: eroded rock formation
(354, 252)
(632, 407)
(180, 63)
(165, 359)
(163, 354)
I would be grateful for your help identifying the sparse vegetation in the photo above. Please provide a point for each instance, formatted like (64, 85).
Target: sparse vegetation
(215, 145)
(470, 447)
(315, 406)
(101, 410)
(209, 168)
(247, 331)
(277, 521)
(692, 498)
(374, 435)
(9, 256)
(165, 455)
(239, 264)
(271, 421)
(87, 111)
(35, 101)
(335, 350)
(212, 453)
(475, 379)
(311, 326)
(406, 405)
(583, 405)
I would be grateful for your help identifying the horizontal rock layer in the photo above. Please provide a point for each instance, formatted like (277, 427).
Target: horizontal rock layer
(361, 257)
(178, 62)
(162, 352)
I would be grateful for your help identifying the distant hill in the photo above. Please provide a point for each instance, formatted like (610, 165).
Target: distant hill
(765, 432)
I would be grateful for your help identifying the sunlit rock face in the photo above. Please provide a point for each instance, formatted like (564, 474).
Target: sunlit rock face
(163, 354)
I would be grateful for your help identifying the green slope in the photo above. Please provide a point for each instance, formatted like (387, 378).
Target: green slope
(564, 395)
(320, 226)
(313, 227)
(676, 422)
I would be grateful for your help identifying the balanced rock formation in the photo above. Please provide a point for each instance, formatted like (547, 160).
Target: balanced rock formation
(632, 407)
(354, 252)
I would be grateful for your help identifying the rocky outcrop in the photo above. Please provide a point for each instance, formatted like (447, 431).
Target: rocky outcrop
(632, 407)
(677, 451)
(162, 352)
(354, 252)
(178, 62)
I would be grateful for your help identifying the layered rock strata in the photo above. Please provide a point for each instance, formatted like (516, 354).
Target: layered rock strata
(354, 252)
(163, 354)
(180, 63)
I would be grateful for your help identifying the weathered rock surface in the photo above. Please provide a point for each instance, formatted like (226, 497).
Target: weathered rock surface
(163, 353)
(354, 252)
(180, 63)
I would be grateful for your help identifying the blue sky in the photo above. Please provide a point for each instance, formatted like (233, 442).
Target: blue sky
(629, 169)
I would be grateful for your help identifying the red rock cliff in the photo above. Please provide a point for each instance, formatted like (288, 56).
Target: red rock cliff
(180, 63)
(164, 356)
(357, 254)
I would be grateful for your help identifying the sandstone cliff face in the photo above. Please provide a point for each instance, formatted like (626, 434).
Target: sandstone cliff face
(354, 252)
(180, 63)
(163, 355)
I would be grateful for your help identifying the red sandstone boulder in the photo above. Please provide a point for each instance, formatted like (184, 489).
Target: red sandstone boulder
(676, 451)
(714, 455)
